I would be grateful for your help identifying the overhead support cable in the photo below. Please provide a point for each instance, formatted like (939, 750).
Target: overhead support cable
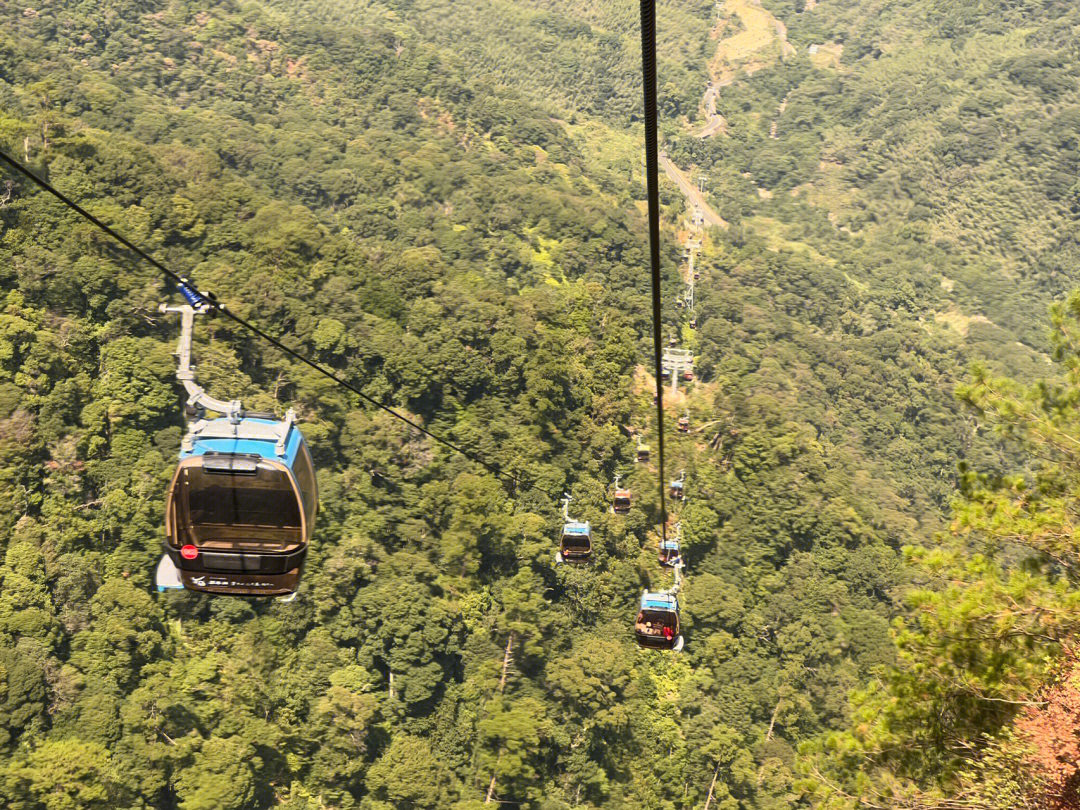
(652, 178)
(209, 300)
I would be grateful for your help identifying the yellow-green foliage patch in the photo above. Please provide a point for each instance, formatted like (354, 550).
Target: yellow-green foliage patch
(827, 55)
(762, 38)
(772, 231)
(959, 322)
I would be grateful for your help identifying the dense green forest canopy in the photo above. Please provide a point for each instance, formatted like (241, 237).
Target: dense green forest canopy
(442, 202)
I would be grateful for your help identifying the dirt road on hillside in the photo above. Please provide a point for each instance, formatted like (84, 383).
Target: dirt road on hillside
(691, 193)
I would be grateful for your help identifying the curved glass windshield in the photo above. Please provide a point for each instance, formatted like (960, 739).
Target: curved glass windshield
(256, 507)
(575, 541)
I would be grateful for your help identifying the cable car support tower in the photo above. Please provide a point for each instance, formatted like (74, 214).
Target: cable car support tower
(677, 362)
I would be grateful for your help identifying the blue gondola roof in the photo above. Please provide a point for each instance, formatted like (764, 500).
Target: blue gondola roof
(574, 527)
(264, 448)
(659, 601)
(670, 544)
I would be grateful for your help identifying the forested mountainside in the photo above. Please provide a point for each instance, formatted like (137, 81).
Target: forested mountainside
(443, 203)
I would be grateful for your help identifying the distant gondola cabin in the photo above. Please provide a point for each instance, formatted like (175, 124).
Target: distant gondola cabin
(657, 624)
(620, 504)
(576, 542)
(683, 424)
(241, 507)
(677, 490)
(670, 552)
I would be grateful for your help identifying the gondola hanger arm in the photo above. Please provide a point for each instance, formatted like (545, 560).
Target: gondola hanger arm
(185, 372)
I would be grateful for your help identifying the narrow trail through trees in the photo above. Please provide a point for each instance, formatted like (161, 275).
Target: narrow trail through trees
(775, 126)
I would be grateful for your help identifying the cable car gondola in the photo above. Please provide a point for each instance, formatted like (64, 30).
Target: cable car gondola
(241, 507)
(670, 552)
(643, 453)
(575, 543)
(657, 625)
(621, 500)
(683, 425)
(676, 487)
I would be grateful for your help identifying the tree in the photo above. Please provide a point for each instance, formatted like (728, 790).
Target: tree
(220, 777)
(512, 734)
(22, 693)
(126, 633)
(408, 775)
(340, 730)
(999, 605)
(63, 775)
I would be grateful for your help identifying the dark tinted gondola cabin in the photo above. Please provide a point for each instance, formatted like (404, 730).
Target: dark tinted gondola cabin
(677, 490)
(620, 503)
(576, 542)
(643, 453)
(683, 424)
(693, 323)
(670, 552)
(241, 508)
(657, 625)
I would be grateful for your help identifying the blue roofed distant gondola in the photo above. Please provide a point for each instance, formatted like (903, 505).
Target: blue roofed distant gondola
(670, 552)
(676, 488)
(657, 625)
(576, 542)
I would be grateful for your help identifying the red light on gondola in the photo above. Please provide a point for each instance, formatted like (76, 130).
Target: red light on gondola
(189, 552)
